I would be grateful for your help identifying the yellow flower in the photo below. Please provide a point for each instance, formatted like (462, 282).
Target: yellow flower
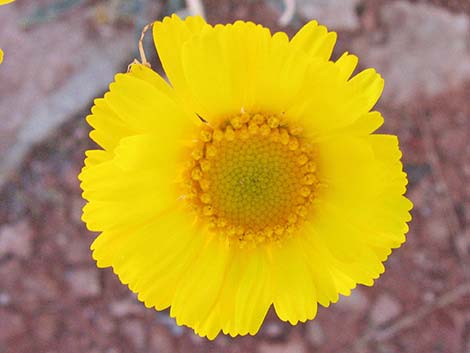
(253, 179)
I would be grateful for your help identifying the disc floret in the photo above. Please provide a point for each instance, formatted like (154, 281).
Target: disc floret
(252, 178)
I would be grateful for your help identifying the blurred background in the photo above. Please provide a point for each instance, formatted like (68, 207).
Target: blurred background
(60, 54)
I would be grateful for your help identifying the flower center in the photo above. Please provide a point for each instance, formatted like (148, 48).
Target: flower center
(252, 179)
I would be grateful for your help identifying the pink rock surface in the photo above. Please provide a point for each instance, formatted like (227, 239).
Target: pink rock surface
(420, 49)
(84, 283)
(16, 239)
(385, 308)
(51, 72)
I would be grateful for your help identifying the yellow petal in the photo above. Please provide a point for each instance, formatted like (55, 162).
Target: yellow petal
(138, 101)
(314, 40)
(109, 129)
(360, 215)
(94, 157)
(151, 258)
(146, 74)
(320, 263)
(368, 85)
(346, 64)
(144, 108)
(142, 174)
(245, 296)
(169, 36)
(332, 103)
(367, 123)
(202, 283)
(252, 70)
(254, 295)
(293, 288)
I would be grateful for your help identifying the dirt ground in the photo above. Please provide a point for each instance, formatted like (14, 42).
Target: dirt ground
(54, 299)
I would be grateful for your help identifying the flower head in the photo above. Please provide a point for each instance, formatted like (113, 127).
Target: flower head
(253, 178)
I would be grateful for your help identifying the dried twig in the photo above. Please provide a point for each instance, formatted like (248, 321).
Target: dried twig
(143, 57)
(411, 319)
(440, 179)
(447, 202)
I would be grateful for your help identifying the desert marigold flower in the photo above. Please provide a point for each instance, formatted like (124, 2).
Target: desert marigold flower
(254, 178)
